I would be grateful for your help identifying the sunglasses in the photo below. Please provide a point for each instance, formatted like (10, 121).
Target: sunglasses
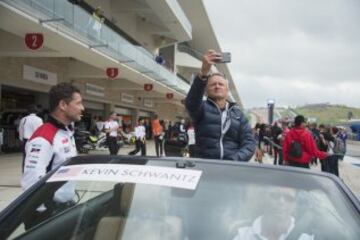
(278, 196)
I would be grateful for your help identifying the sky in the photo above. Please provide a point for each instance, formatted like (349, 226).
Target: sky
(296, 52)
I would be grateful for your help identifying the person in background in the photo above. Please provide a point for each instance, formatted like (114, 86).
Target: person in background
(259, 154)
(182, 131)
(27, 127)
(119, 120)
(316, 135)
(99, 124)
(96, 22)
(157, 131)
(92, 125)
(300, 141)
(276, 133)
(191, 140)
(285, 130)
(170, 130)
(267, 146)
(324, 139)
(333, 159)
(111, 128)
(261, 142)
(148, 129)
(165, 124)
(159, 59)
(140, 136)
(343, 136)
(162, 136)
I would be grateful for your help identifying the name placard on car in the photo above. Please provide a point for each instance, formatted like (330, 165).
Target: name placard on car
(163, 176)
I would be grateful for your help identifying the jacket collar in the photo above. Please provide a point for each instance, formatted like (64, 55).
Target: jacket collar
(231, 104)
(58, 124)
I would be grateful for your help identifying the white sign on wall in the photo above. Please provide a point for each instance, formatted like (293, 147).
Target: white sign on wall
(148, 103)
(127, 98)
(123, 111)
(144, 114)
(39, 75)
(93, 105)
(94, 90)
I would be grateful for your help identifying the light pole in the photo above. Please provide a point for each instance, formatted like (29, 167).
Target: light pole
(270, 104)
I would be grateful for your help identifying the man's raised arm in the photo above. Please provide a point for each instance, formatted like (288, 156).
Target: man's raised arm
(193, 102)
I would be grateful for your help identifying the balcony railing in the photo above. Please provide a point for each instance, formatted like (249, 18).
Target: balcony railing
(79, 24)
(180, 15)
(183, 47)
(183, 84)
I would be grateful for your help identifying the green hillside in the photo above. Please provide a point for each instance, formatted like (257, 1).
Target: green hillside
(328, 114)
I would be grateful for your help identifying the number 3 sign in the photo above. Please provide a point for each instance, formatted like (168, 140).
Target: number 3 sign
(112, 72)
(34, 41)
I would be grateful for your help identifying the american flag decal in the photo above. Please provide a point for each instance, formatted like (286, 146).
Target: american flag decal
(68, 171)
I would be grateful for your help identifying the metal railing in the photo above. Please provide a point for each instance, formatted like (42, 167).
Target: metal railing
(182, 84)
(183, 47)
(177, 10)
(74, 21)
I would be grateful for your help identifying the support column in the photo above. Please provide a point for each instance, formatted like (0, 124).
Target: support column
(108, 108)
(134, 117)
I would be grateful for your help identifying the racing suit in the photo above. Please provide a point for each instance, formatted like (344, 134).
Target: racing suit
(27, 127)
(49, 146)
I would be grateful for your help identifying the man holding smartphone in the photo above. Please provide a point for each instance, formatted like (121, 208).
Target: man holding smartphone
(221, 129)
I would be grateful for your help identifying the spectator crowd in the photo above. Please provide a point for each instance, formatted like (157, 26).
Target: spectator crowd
(329, 140)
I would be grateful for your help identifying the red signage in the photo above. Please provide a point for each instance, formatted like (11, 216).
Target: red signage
(148, 87)
(34, 41)
(112, 72)
(169, 95)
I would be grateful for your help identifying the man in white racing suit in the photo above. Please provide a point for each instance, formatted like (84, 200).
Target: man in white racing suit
(53, 142)
(27, 127)
(140, 134)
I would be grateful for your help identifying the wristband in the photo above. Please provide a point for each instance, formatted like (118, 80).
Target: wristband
(203, 77)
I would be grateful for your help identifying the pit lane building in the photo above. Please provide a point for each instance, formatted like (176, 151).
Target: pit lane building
(108, 49)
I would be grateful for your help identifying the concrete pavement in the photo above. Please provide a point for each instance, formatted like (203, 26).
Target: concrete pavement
(10, 171)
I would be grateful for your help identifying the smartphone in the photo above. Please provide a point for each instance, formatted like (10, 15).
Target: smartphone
(226, 57)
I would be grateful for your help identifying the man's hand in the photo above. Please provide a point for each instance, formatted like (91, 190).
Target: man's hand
(209, 59)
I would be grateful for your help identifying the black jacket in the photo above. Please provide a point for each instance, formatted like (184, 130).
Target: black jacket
(236, 143)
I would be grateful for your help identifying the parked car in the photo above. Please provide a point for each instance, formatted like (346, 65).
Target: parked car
(121, 197)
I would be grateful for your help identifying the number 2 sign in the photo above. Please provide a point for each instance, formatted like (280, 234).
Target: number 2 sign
(34, 41)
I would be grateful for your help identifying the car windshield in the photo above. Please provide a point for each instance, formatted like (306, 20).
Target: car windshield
(227, 200)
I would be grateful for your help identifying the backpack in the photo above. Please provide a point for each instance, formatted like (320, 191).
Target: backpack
(339, 146)
(295, 150)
